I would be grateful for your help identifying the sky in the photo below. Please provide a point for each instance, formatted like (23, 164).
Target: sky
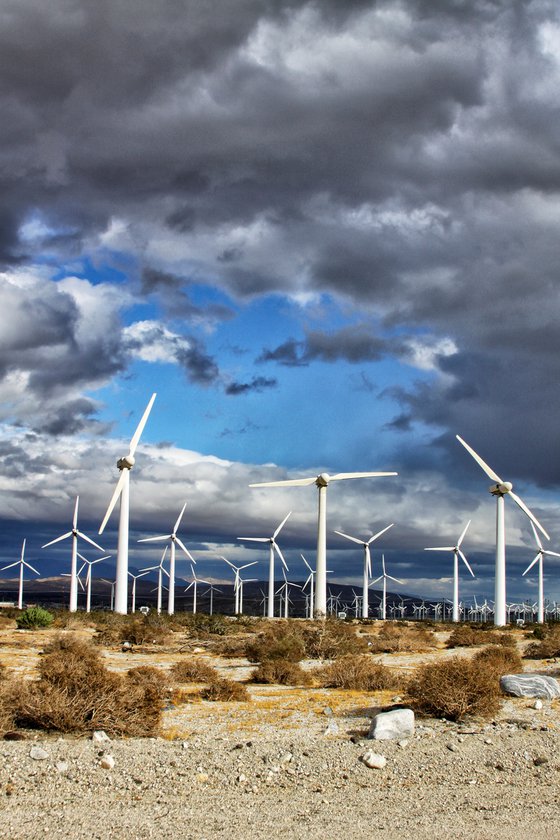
(325, 233)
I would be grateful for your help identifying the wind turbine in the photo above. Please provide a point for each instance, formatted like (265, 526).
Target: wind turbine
(539, 558)
(237, 584)
(174, 539)
(273, 547)
(321, 482)
(211, 590)
(195, 581)
(21, 563)
(385, 577)
(134, 579)
(161, 570)
(367, 564)
(456, 549)
(74, 533)
(89, 564)
(122, 491)
(112, 585)
(500, 490)
(285, 587)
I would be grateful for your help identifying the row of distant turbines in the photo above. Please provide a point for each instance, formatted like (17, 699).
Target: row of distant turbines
(318, 576)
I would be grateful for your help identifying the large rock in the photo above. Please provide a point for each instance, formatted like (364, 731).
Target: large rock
(530, 685)
(394, 725)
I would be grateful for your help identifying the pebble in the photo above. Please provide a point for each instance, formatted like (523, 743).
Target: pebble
(538, 705)
(374, 760)
(107, 762)
(38, 753)
(100, 737)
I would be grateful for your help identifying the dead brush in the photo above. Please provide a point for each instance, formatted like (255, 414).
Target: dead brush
(331, 638)
(402, 638)
(279, 641)
(193, 671)
(230, 647)
(546, 648)
(359, 673)
(149, 676)
(139, 631)
(455, 688)
(504, 660)
(76, 693)
(225, 690)
(280, 672)
(466, 636)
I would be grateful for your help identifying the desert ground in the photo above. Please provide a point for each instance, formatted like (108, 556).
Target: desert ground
(287, 763)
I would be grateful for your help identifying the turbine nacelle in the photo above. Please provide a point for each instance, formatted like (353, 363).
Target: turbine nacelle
(322, 480)
(501, 489)
(126, 463)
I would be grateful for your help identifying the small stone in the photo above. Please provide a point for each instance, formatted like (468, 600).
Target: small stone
(488, 741)
(374, 760)
(332, 728)
(38, 754)
(242, 778)
(202, 777)
(61, 766)
(403, 742)
(540, 760)
(185, 745)
(100, 737)
(286, 758)
(452, 747)
(538, 705)
(107, 762)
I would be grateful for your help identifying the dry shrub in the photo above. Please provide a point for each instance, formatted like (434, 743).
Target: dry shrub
(465, 636)
(225, 690)
(331, 638)
(150, 677)
(455, 688)
(10, 690)
(230, 647)
(503, 659)
(193, 671)
(356, 672)
(76, 693)
(402, 638)
(280, 672)
(7, 622)
(547, 648)
(279, 641)
(141, 630)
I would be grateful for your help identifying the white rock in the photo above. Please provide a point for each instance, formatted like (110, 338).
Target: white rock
(530, 685)
(38, 753)
(538, 705)
(61, 766)
(332, 728)
(374, 760)
(395, 725)
(100, 737)
(107, 762)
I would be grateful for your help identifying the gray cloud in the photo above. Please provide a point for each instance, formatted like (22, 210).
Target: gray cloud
(258, 383)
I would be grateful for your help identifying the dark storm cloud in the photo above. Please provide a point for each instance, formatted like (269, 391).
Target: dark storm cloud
(258, 383)
(172, 292)
(351, 344)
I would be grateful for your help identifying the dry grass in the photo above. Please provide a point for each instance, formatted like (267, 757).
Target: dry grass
(280, 672)
(359, 673)
(225, 690)
(331, 638)
(466, 636)
(279, 641)
(455, 688)
(151, 677)
(193, 671)
(504, 660)
(395, 637)
(548, 647)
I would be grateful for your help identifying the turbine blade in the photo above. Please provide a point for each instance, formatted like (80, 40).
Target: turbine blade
(29, 566)
(348, 537)
(460, 540)
(90, 541)
(157, 539)
(275, 534)
(390, 577)
(537, 538)
(442, 548)
(255, 539)
(290, 482)
(176, 526)
(526, 510)
(488, 470)
(306, 563)
(140, 428)
(551, 553)
(185, 549)
(465, 561)
(58, 539)
(530, 566)
(376, 580)
(340, 476)
(117, 492)
(246, 566)
(75, 517)
(3, 569)
(371, 539)
(280, 555)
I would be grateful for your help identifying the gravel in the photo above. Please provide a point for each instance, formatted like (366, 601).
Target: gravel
(482, 781)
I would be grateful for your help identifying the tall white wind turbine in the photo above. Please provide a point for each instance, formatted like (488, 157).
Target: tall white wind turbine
(122, 491)
(161, 570)
(457, 552)
(174, 540)
(367, 564)
(273, 547)
(134, 579)
(321, 482)
(89, 564)
(194, 585)
(237, 584)
(539, 559)
(500, 490)
(21, 563)
(74, 533)
(385, 577)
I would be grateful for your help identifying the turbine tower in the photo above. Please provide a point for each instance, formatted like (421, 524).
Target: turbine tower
(237, 584)
(321, 482)
(273, 547)
(367, 564)
(500, 490)
(74, 533)
(161, 570)
(539, 558)
(89, 564)
(122, 490)
(456, 549)
(385, 577)
(174, 540)
(194, 584)
(21, 563)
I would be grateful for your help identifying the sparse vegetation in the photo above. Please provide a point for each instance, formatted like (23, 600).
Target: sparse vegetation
(33, 618)
(455, 688)
(397, 637)
(150, 677)
(331, 638)
(503, 659)
(549, 645)
(280, 672)
(278, 641)
(359, 672)
(225, 690)
(193, 671)
(466, 636)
